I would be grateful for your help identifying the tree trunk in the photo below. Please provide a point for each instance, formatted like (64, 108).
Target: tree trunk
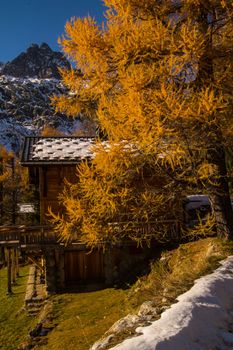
(219, 194)
(1, 192)
(14, 202)
(218, 189)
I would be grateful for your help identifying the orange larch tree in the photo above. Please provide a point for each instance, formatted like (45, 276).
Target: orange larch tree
(156, 78)
(14, 187)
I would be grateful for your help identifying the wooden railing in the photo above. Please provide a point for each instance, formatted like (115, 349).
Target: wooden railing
(162, 229)
(42, 235)
(28, 235)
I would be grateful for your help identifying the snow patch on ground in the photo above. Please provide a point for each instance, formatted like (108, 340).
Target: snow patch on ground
(202, 319)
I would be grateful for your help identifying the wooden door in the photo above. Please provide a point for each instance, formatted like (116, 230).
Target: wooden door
(84, 268)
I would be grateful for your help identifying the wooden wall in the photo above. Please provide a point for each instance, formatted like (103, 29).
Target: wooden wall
(82, 267)
(51, 180)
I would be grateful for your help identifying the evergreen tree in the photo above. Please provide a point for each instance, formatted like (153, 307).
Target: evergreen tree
(49, 131)
(157, 79)
(5, 159)
(14, 188)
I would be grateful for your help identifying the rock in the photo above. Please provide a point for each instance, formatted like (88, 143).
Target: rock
(102, 343)
(44, 331)
(25, 108)
(121, 325)
(227, 337)
(36, 62)
(164, 308)
(128, 321)
(35, 332)
(147, 310)
(27, 84)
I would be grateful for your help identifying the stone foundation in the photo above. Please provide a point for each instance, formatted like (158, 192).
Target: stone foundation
(117, 263)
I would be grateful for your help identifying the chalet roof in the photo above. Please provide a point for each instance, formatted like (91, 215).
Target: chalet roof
(56, 150)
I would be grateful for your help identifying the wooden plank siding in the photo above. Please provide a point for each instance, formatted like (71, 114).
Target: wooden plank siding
(51, 186)
(83, 268)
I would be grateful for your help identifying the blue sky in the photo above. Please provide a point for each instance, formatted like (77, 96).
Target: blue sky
(23, 22)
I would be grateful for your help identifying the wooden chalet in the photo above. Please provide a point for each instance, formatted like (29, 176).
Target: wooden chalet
(51, 160)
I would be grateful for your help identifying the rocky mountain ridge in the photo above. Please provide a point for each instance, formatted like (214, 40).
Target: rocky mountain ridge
(26, 85)
(37, 62)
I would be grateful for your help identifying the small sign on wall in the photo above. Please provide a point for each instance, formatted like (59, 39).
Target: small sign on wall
(26, 208)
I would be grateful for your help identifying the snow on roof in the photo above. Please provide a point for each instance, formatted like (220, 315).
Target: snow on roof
(200, 320)
(196, 201)
(198, 198)
(59, 149)
(56, 150)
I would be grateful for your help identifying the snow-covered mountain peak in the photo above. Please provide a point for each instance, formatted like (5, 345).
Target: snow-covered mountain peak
(26, 85)
(37, 62)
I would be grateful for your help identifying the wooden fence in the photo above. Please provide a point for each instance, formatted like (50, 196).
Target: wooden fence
(27, 235)
(162, 230)
(15, 238)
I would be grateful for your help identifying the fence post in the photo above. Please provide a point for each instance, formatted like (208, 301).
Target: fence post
(13, 266)
(9, 287)
(17, 262)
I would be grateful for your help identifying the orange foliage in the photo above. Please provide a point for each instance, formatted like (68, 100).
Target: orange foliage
(156, 77)
(50, 131)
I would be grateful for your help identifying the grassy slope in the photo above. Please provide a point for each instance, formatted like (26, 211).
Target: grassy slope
(83, 318)
(176, 271)
(14, 323)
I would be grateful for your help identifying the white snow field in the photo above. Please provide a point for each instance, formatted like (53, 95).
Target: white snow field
(202, 319)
